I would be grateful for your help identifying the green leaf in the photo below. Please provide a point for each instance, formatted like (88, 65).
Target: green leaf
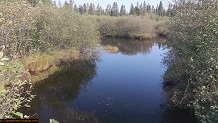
(19, 114)
(53, 121)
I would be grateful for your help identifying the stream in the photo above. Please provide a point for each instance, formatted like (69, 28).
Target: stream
(122, 86)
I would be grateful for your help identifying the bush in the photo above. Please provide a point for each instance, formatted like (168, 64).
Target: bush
(192, 60)
(16, 91)
(26, 29)
(128, 26)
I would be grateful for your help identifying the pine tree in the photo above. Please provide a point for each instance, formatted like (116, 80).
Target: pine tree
(71, 4)
(153, 9)
(160, 9)
(66, 4)
(108, 10)
(144, 8)
(136, 9)
(84, 8)
(148, 8)
(132, 11)
(76, 8)
(141, 10)
(122, 10)
(99, 10)
(169, 10)
(91, 9)
(81, 10)
(114, 10)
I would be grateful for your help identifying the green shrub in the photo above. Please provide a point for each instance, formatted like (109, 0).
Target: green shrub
(128, 26)
(192, 60)
(16, 91)
(26, 29)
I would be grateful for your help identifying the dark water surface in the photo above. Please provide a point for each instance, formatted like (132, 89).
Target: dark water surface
(122, 87)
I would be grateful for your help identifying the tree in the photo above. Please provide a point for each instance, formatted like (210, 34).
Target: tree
(99, 10)
(169, 10)
(136, 9)
(71, 3)
(91, 9)
(132, 10)
(76, 8)
(122, 10)
(114, 10)
(144, 8)
(108, 10)
(66, 4)
(160, 9)
(84, 8)
(81, 10)
(141, 9)
(153, 9)
(148, 8)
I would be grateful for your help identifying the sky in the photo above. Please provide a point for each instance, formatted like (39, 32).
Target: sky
(127, 3)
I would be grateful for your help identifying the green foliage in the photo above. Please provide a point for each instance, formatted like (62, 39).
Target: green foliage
(16, 92)
(25, 29)
(160, 9)
(128, 26)
(114, 10)
(193, 61)
(43, 28)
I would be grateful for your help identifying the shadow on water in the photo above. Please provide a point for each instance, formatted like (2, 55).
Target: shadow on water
(55, 93)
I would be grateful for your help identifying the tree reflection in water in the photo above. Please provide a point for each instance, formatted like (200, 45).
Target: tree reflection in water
(132, 47)
(55, 94)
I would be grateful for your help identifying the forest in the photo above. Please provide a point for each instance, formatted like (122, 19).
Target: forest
(39, 35)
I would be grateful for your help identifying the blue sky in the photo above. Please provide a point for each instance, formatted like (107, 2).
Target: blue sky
(127, 3)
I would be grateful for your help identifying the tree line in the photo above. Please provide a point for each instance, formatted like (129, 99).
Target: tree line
(114, 10)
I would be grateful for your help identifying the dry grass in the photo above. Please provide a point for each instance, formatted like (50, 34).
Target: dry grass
(146, 36)
(40, 62)
(111, 49)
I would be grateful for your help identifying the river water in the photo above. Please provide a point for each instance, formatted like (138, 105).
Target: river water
(122, 86)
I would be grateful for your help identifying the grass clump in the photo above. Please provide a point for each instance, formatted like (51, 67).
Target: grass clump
(111, 49)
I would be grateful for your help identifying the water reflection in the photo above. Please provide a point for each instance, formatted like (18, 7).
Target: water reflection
(58, 91)
(131, 46)
(126, 88)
